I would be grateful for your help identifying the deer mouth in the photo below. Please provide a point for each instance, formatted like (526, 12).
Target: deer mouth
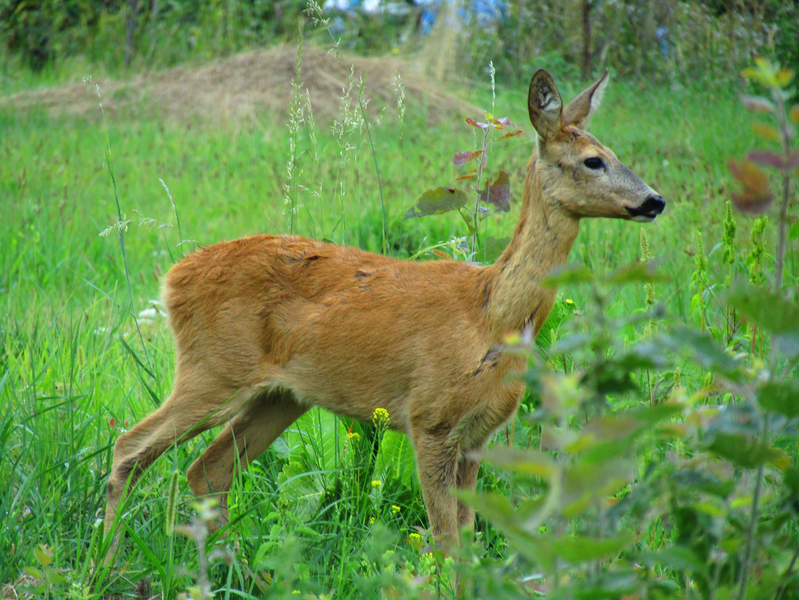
(647, 211)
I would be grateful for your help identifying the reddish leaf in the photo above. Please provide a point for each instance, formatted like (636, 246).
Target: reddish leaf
(498, 193)
(509, 135)
(437, 201)
(441, 254)
(772, 159)
(499, 123)
(756, 196)
(461, 158)
(766, 131)
(474, 123)
(469, 176)
(766, 158)
(794, 114)
(747, 203)
(757, 103)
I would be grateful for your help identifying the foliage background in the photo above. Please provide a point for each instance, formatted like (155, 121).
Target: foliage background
(633, 396)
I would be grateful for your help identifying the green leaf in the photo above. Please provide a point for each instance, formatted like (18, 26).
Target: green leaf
(638, 272)
(33, 572)
(529, 462)
(677, 558)
(705, 351)
(787, 343)
(580, 549)
(44, 558)
(568, 274)
(793, 232)
(781, 397)
(495, 507)
(436, 202)
(745, 451)
(587, 484)
(468, 218)
(495, 247)
(790, 477)
(300, 489)
(395, 459)
(54, 577)
(771, 311)
(698, 480)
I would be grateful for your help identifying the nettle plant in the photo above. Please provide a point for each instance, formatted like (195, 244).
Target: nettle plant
(488, 196)
(689, 489)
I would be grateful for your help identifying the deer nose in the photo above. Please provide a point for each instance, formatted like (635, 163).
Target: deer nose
(653, 204)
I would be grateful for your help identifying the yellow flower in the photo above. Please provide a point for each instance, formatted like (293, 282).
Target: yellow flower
(380, 417)
(355, 437)
(415, 540)
(377, 483)
(569, 301)
(371, 520)
(395, 509)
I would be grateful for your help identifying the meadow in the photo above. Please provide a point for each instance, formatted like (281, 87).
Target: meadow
(333, 509)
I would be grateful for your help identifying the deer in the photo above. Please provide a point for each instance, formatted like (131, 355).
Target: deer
(267, 327)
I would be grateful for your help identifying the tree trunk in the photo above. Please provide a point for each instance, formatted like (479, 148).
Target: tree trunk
(586, 70)
(134, 8)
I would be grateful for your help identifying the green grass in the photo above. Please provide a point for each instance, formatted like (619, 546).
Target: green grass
(72, 367)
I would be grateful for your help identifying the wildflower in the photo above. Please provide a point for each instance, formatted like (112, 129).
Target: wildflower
(569, 301)
(380, 417)
(415, 540)
(395, 509)
(355, 437)
(371, 520)
(376, 483)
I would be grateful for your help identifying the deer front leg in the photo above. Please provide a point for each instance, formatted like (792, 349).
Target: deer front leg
(437, 461)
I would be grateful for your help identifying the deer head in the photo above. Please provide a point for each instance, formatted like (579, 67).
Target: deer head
(577, 174)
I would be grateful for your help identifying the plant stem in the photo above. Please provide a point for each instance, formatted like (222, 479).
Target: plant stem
(783, 585)
(786, 187)
(750, 536)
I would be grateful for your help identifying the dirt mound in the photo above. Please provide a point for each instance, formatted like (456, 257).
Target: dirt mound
(242, 85)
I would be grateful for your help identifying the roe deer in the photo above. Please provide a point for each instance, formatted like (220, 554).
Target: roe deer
(267, 327)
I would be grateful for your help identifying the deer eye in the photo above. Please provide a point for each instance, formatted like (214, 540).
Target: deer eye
(594, 163)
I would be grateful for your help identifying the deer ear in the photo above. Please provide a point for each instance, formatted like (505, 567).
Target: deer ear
(545, 105)
(582, 108)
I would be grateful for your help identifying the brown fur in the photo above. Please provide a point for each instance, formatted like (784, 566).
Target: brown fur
(268, 326)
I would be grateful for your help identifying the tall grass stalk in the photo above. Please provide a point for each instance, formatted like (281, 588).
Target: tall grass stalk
(295, 121)
(121, 227)
(317, 14)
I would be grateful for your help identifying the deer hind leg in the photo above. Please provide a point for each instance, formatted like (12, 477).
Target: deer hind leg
(189, 410)
(437, 461)
(247, 436)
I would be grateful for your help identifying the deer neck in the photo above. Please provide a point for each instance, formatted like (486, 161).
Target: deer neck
(542, 241)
